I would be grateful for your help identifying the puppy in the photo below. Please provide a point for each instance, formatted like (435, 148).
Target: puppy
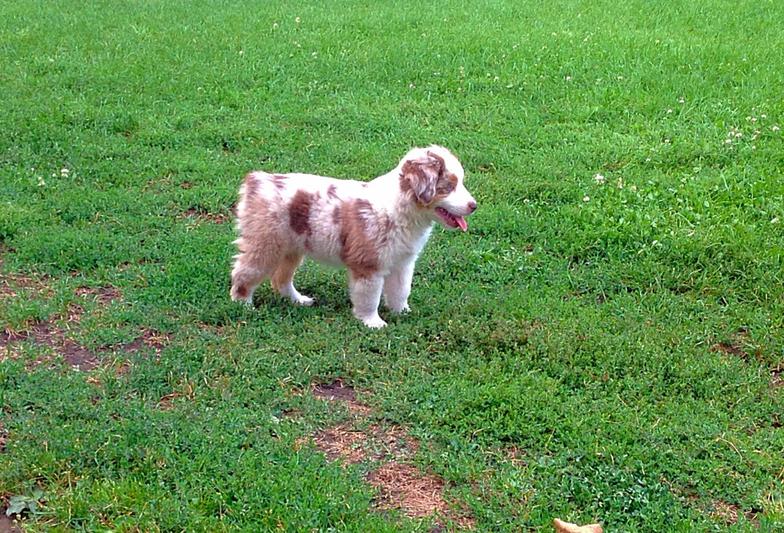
(375, 229)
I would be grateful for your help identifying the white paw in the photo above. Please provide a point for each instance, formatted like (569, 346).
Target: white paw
(374, 322)
(401, 309)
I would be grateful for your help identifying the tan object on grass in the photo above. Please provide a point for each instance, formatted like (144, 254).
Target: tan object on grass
(567, 527)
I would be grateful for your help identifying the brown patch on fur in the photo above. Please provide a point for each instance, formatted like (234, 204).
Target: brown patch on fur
(279, 181)
(242, 291)
(446, 184)
(441, 164)
(332, 193)
(285, 271)
(420, 178)
(251, 185)
(336, 215)
(299, 212)
(358, 251)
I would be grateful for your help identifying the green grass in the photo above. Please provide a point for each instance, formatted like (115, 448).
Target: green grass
(575, 323)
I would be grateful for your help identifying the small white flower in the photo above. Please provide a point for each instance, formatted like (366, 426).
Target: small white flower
(411, 86)
(647, 159)
(568, 78)
(763, 115)
(727, 141)
(242, 52)
(64, 172)
(666, 141)
(754, 119)
(297, 20)
(586, 198)
(41, 181)
(598, 178)
(669, 111)
(775, 128)
(681, 100)
(620, 77)
(274, 25)
(633, 188)
(526, 201)
(620, 183)
(775, 220)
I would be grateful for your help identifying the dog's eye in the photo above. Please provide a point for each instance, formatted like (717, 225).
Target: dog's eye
(446, 185)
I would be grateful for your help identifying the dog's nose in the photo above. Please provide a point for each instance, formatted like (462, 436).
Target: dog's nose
(472, 206)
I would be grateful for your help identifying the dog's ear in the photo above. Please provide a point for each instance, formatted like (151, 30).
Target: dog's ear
(421, 176)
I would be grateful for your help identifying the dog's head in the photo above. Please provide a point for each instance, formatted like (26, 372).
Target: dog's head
(433, 178)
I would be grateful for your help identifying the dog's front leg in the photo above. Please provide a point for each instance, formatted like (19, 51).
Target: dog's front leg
(365, 295)
(397, 287)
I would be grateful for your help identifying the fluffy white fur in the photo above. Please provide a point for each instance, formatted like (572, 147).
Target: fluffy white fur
(376, 229)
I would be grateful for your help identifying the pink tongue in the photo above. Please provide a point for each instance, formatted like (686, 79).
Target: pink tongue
(462, 223)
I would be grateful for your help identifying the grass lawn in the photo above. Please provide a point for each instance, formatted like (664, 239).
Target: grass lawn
(606, 343)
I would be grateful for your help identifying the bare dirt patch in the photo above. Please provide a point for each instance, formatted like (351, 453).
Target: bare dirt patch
(3, 437)
(201, 215)
(343, 443)
(12, 284)
(166, 403)
(102, 295)
(729, 348)
(47, 334)
(726, 512)
(401, 485)
(739, 345)
(338, 391)
(149, 338)
(53, 333)
(6, 524)
(777, 377)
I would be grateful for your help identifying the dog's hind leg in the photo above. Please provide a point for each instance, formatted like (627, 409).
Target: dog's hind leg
(246, 275)
(283, 279)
